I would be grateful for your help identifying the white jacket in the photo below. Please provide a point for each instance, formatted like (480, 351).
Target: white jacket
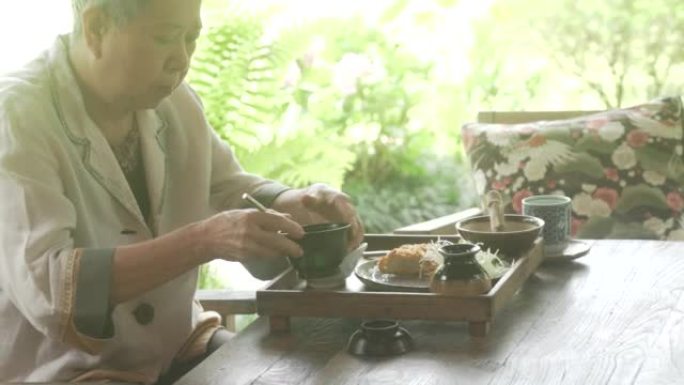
(64, 196)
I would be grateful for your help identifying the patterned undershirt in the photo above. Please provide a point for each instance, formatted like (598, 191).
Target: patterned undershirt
(129, 156)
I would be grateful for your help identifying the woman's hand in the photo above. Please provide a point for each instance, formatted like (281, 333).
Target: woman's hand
(236, 235)
(320, 203)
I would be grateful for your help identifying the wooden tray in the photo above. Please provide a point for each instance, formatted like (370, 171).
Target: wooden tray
(287, 296)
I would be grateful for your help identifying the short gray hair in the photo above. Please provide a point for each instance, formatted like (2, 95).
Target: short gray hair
(121, 11)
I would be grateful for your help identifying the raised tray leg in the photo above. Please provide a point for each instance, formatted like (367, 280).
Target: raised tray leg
(478, 329)
(279, 324)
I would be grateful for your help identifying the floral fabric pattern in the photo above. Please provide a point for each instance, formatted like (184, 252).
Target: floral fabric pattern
(622, 168)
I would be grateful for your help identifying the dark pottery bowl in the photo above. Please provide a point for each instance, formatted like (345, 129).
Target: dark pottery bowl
(517, 237)
(459, 250)
(380, 338)
(325, 246)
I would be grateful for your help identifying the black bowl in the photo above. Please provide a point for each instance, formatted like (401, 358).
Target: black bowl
(517, 237)
(380, 338)
(324, 246)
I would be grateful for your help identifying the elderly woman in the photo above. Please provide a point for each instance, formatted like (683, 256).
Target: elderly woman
(114, 190)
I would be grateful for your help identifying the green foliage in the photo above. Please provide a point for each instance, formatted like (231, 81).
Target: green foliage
(208, 278)
(366, 94)
(333, 101)
(618, 48)
(234, 74)
(505, 73)
(535, 54)
(240, 76)
(397, 179)
(386, 206)
(243, 320)
(350, 102)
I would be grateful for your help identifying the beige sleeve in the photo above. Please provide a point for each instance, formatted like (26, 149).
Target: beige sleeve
(40, 266)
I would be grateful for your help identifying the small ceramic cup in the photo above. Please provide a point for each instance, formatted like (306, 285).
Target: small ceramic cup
(461, 274)
(380, 338)
(556, 212)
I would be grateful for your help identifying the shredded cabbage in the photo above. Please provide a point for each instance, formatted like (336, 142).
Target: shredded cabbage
(490, 261)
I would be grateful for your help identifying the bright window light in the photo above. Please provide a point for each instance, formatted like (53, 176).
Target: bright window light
(29, 26)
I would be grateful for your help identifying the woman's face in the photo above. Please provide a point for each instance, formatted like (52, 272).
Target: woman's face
(144, 60)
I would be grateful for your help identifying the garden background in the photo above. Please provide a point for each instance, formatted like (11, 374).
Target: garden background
(369, 96)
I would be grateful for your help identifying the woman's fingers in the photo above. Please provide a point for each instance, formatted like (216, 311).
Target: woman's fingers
(257, 251)
(278, 245)
(346, 210)
(282, 223)
(330, 204)
(357, 233)
(272, 234)
(241, 234)
(335, 206)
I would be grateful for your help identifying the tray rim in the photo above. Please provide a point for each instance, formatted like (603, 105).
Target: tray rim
(280, 298)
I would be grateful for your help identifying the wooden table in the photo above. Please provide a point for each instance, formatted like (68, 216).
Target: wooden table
(613, 317)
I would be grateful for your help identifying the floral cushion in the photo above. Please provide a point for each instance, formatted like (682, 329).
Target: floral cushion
(622, 168)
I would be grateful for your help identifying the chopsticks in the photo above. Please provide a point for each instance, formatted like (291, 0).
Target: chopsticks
(262, 208)
(254, 202)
